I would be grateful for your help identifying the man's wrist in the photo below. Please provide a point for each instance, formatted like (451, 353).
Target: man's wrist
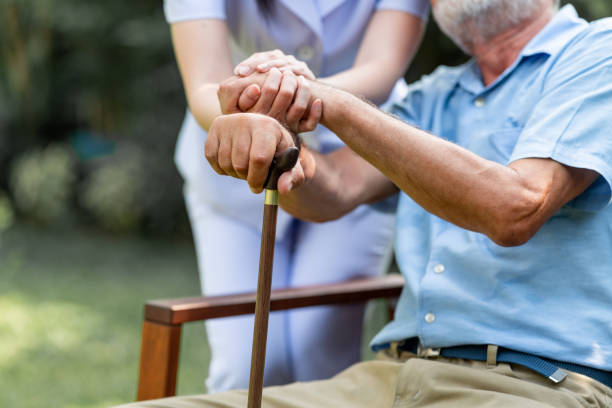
(332, 100)
(321, 90)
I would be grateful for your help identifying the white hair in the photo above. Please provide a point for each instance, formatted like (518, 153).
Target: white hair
(471, 22)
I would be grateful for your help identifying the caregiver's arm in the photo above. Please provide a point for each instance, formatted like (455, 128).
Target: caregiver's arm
(388, 46)
(203, 55)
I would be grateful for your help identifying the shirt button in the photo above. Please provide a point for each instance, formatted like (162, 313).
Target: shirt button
(305, 53)
(439, 268)
(479, 102)
(430, 317)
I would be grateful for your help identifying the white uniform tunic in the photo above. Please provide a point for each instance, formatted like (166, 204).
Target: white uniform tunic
(226, 217)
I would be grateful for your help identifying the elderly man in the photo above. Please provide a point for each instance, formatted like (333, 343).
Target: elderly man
(504, 230)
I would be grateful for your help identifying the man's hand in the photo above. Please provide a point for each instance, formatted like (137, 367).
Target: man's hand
(242, 145)
(283, 96)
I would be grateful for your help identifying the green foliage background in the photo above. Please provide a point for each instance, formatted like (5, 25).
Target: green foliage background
(99, 77)
(102, 70)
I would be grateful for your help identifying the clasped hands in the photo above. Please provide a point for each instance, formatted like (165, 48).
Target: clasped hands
(264, 106)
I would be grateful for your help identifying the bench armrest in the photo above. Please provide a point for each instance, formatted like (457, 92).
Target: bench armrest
(161, 331)
(177, 311)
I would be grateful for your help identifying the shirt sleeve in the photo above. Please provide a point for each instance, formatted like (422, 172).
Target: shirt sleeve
(417, 105)
(183, 10)
(571, 123)
(408, 109)
(419, 8)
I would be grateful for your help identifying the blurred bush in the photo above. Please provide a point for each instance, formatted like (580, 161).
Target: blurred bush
(72, 67)
(42, 183)
(7, 214)
(99, 68)
(110, 192)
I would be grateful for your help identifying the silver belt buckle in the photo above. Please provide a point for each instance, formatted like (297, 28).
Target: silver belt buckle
(427, 352)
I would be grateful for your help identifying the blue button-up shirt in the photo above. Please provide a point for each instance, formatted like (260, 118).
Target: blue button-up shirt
(553, 295)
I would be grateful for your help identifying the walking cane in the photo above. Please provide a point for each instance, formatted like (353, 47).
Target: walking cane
(281, 163)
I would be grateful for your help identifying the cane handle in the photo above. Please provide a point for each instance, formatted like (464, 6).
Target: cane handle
(281, 163)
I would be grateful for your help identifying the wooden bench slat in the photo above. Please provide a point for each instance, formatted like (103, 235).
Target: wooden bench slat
(178, 311)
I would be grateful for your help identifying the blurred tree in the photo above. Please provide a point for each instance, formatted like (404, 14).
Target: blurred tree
(85, 71)
(97, 65)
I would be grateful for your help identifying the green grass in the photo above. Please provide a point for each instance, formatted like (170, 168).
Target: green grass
(71, 310)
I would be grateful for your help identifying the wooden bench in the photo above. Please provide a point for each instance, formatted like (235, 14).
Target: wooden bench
(161, 330)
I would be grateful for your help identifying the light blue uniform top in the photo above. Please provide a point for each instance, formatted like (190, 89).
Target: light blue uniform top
(326, 34)
(553, 295)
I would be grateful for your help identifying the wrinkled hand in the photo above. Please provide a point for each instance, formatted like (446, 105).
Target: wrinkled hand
(281, 95)
(242, 145)
(264, 61)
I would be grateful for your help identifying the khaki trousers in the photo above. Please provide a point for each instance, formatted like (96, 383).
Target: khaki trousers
(404, 380)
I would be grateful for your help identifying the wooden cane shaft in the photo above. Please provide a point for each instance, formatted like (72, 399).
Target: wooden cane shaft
(262, 304)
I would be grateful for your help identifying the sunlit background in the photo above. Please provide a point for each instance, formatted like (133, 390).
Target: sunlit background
(92, 221)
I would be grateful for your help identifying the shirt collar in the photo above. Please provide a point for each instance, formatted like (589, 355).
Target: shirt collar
(557, 33)
(328, 6)
(550, 40)
(308, 12)
(312, 12)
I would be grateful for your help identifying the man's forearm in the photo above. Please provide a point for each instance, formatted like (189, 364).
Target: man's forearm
(445, 179)
(341, 181)
(507, 203)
